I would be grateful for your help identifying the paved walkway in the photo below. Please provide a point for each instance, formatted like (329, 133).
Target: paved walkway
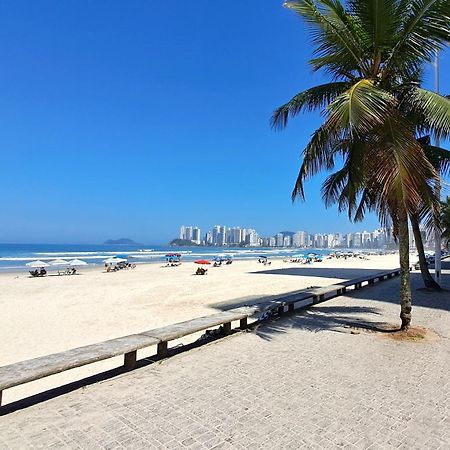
(303, 381)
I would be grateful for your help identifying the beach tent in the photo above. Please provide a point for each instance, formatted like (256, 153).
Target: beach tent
(77, 262)
(37, 263)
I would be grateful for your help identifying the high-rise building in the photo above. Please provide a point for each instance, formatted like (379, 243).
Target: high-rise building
(286, 241)
(349, 240)
(319, 241)
(196, 235)
(216, 235)
(186, 233)
(365, 239)
(357, 239)
(330, 240)
(272, 242)
(300, 239)
(279, 240)
(234, 236)
(252, 238)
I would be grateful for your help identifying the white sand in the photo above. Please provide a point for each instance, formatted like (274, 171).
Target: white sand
(51, 314)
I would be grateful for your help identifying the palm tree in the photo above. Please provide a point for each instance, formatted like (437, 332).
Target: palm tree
(440, 159)
(374, 52)
(445, 221)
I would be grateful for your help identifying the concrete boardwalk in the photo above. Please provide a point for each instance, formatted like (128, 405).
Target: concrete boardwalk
(303, 381)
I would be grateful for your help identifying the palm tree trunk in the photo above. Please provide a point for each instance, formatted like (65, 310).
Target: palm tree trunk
(405, 282)
(428, 280)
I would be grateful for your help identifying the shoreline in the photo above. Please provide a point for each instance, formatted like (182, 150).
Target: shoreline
(52, 270)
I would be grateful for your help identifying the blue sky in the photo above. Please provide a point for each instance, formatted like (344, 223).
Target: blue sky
(128, 119)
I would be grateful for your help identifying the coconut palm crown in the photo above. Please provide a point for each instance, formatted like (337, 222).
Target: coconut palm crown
(374, 108)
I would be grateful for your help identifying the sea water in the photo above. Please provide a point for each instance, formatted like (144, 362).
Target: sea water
(14, 257)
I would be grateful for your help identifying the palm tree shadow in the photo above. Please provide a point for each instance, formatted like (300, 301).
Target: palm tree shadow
(340, 319)
(421, 297)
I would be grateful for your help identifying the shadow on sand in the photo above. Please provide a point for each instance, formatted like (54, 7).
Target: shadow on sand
(319, 272)
(342, 318)
(320, 318)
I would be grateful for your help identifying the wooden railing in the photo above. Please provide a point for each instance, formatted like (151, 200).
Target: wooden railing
(37, 368)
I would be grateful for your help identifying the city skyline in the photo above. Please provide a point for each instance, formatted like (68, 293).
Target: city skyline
(222, 236)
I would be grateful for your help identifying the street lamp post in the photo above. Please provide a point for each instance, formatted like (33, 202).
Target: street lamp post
(437, 231)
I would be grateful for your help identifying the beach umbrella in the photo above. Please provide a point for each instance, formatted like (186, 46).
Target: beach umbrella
(121, 256)
(58, 262)
(262, 256)
(37, 263)
(114, 260)
(77, 262)
(202, 261)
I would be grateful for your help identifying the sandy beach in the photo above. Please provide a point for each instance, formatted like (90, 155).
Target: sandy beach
(55, 313)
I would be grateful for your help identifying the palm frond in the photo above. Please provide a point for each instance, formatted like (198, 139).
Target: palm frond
(432, 109)
(379, 23)
(425, 30)
(330, 31)
(438, 157)
(314, 98)
(360, 108)
(318, 155)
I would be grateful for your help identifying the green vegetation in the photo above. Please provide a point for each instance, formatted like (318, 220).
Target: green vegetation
(182, 243)
(375, 111)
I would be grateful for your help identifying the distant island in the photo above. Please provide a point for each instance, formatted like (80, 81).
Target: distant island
(122, 241)
(183, 243)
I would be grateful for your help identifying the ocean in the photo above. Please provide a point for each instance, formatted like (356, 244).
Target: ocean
(14, 257)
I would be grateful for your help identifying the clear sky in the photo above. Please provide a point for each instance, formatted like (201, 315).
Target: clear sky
(128, 119)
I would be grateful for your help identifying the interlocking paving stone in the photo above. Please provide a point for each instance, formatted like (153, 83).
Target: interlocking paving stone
(301, 381)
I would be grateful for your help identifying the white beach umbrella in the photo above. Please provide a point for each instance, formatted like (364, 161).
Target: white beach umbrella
(37, 263)
(59, 262)
(77, 262)
(114, 260)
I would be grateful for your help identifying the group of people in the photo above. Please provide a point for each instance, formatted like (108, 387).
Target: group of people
(68, 271)
(218, 262)
(201, 271)
(346, 255)
(264, 260)
(119, 266)
(38, 273)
